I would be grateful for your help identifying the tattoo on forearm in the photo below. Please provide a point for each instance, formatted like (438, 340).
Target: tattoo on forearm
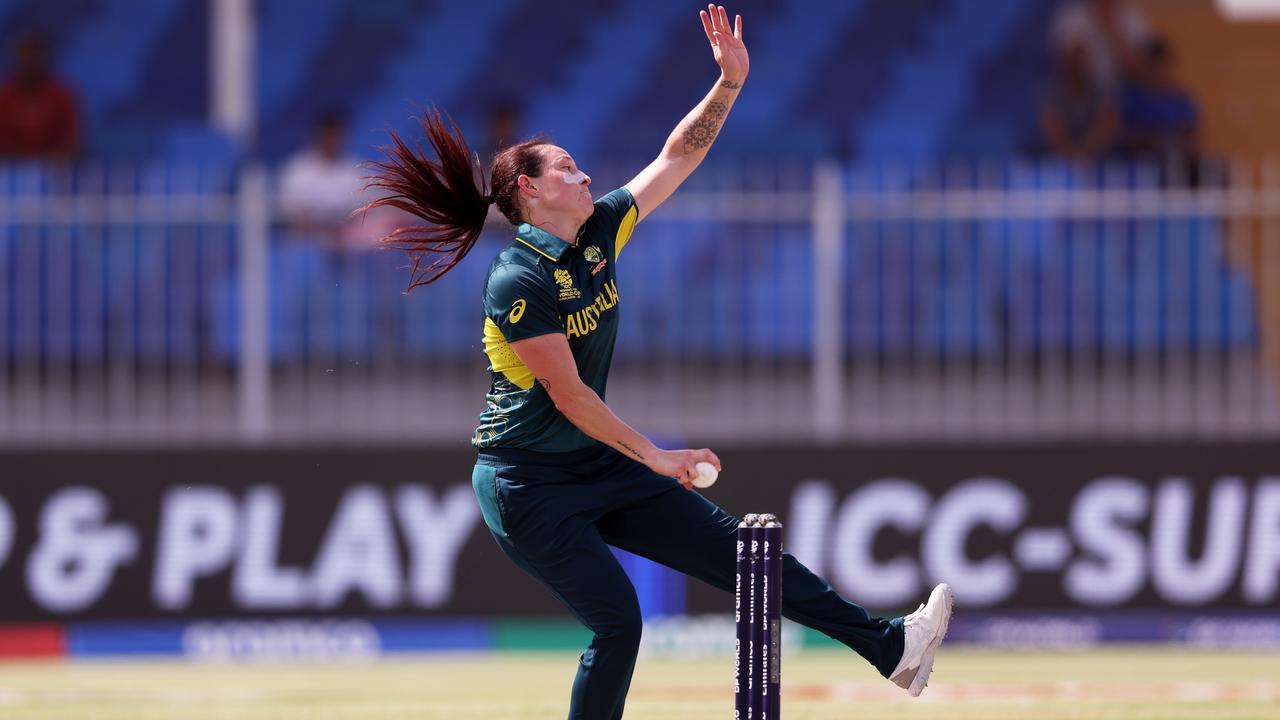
(730, 85)
(702, 131)
(546, 384)
(633, 451)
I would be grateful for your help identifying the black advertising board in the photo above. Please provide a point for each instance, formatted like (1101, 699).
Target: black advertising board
(261, 533)
(1045, 527)
(324, 532)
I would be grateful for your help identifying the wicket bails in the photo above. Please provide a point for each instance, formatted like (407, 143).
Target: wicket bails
(758, 615)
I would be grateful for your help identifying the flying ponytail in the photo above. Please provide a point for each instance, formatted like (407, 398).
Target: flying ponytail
(450, 194)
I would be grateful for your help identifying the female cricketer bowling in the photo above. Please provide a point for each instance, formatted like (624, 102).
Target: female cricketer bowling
(559, 477)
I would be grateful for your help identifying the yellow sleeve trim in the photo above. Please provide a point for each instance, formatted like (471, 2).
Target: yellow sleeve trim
(625, 229)
(503, 358)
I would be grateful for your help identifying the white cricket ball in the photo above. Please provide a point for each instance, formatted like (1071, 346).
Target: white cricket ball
(707, 475)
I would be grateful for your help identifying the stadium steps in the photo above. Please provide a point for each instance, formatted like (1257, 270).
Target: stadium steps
(1001, 117)
(445, 49)
(507, 76)
(929, 90)
(349, 67)
(784, 51)
(172, 98)
(288, 42)
(59, 20)
(681, 72)
(853, 75)
(107, 56)
(616, 61)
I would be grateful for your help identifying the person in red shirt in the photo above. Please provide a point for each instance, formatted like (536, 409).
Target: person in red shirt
(38, 115)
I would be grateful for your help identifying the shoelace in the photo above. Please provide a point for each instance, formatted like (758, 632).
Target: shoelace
(913, 615)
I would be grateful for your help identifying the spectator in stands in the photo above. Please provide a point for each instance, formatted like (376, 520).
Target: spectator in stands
(38, 115)
(1078, 116)
(320, 185)
(504, 120)
(1113, 33)
(1160, 118)
(504, 127)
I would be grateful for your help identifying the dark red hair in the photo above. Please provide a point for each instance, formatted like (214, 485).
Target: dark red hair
(449, 193)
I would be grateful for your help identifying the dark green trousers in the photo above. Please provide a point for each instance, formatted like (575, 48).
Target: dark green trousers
(555, 514)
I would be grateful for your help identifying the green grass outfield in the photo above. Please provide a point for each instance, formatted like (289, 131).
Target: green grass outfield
(1128, 684)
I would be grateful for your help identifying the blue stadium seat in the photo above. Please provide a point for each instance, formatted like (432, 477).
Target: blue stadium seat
(350, 66)
(59, 20)
(123, 32)
(610, 67)
(441, 54)
(930, 88)
(289, 38)
(1001, 117)
(506, 75)
(785, 49)
(172, 86)
(201, 144)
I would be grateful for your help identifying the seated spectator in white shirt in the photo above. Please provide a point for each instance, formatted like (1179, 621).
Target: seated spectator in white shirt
(321, 184)
(1113, 32)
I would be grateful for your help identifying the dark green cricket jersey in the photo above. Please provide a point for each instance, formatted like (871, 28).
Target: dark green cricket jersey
(540, 284)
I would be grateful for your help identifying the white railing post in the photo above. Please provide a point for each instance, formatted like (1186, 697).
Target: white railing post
(232, 32)
(828, 393)
(253, 219)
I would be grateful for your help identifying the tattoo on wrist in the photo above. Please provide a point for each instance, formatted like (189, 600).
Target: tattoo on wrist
(730, 85)
(633, 451)
(702, 131)
(545, 383)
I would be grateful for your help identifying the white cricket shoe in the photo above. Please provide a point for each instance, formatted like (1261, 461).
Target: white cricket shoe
(924, 630)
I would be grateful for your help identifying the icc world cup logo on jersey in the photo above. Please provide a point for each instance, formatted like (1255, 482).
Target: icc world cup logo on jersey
(565, 280)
